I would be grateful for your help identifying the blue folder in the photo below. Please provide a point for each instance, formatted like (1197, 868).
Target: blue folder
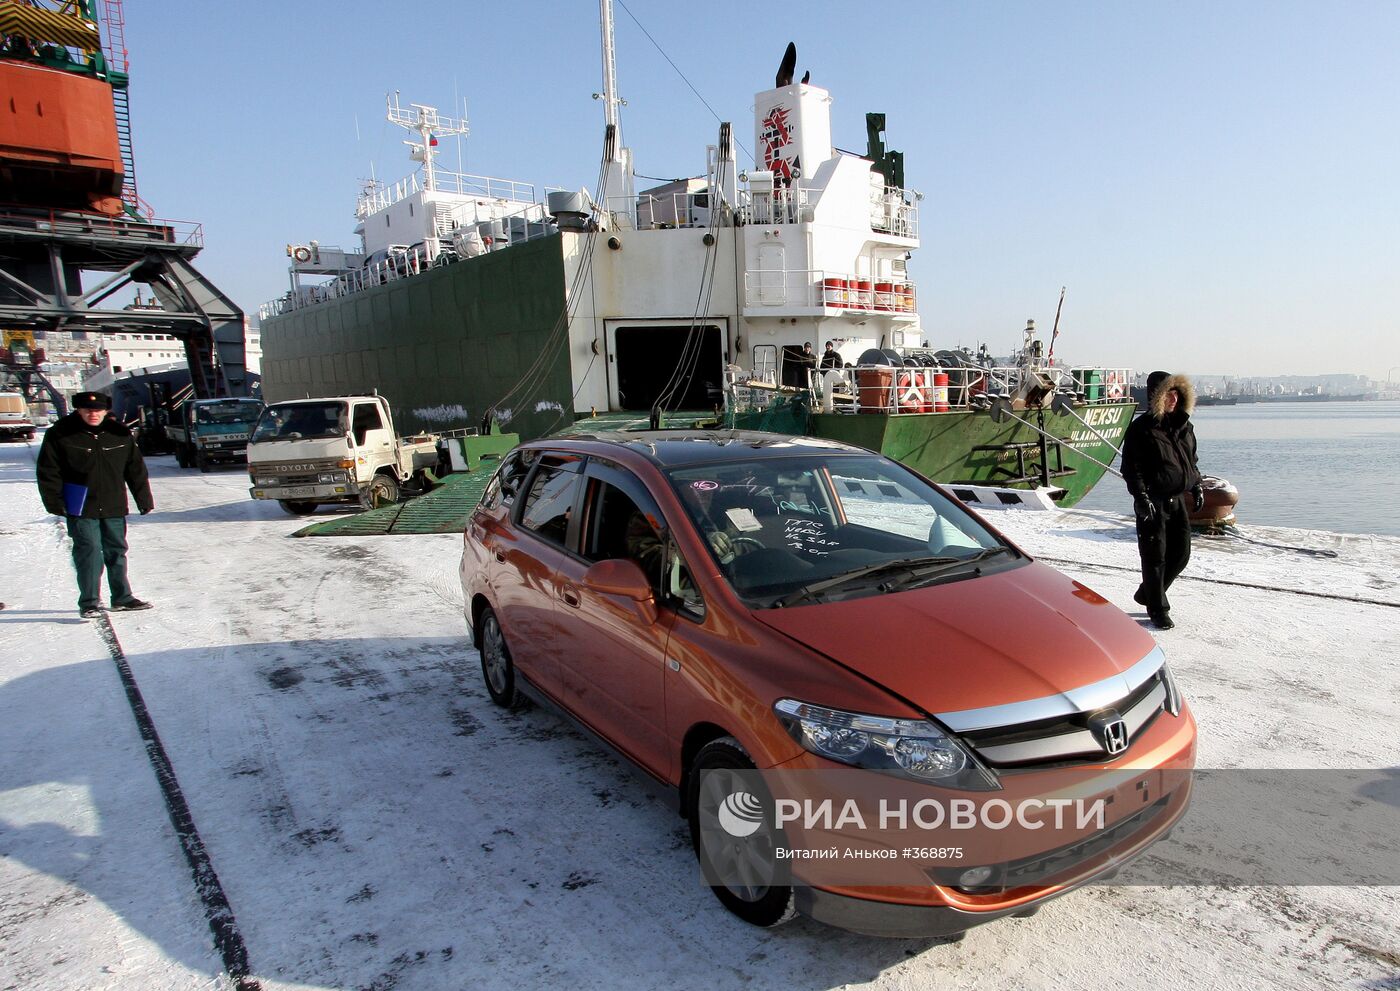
(74, 498)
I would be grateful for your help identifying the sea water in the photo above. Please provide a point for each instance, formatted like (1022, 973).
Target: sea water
(1317, 465)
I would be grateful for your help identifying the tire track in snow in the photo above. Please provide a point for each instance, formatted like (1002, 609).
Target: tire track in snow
(228, 939)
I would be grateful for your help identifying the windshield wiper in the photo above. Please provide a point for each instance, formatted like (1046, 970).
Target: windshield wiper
(914, 565)
(915, 569)
(950, 563)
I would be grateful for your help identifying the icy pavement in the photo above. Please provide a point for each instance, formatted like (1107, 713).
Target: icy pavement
(377, 823)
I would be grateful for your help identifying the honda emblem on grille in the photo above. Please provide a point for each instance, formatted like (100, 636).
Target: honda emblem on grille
(1110, 730)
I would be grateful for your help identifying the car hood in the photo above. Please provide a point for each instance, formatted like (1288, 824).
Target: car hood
(1023, 633)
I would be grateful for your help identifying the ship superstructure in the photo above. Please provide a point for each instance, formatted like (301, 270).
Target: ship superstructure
(474, 300)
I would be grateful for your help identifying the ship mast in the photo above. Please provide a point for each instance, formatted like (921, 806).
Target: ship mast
(609, 94)
(429, 124)
(617, 194)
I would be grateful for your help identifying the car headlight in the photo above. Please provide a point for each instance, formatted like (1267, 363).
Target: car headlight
(914, 748)
(264, 481)
(327, 477)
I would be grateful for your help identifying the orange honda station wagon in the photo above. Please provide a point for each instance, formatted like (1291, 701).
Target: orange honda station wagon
(804, 611)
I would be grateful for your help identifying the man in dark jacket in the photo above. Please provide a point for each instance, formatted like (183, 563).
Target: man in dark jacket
(87, 462)
(830, 357)
(1159, 466)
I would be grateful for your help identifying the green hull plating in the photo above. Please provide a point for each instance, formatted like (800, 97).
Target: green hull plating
(442, 346)
(971, 447)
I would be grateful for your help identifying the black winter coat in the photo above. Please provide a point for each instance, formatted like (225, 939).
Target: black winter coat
(104, 458)
(1159, 455)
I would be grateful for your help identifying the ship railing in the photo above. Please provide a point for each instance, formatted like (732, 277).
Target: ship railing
(182, 232)
(784, 205)
(527, 223)
(894, 389)
(894, 211)
(678, 210)
(444, 181)
(833, 293)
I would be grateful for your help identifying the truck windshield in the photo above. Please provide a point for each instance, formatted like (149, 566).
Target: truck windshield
(234, 411)
(301, 421)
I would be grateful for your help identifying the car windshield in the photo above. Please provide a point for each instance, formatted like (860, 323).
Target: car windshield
(235, 411)
(819, 528)
(302, 421)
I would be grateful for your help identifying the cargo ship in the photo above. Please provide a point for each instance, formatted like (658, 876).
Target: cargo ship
(471, 300)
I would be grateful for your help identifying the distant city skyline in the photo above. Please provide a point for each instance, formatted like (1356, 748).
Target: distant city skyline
(1213, 183)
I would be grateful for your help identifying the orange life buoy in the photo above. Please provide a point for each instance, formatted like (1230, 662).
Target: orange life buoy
(302, 254)
(911, 397)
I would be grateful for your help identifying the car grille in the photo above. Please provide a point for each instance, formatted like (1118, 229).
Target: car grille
(1066, 739)
(1052, 865)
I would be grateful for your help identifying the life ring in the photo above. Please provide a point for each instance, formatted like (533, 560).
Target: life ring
(910, 396)
(1114, 383)
(302, 254)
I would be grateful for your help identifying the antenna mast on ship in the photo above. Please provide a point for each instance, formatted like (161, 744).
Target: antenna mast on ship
(617, 160)
(429, 124)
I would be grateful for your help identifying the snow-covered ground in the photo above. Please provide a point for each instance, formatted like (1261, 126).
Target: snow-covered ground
(377, 823)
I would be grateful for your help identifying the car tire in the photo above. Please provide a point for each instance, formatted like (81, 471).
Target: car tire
(297, 508)
(201, 462)
(497, 668)
(763, 905)
(381, 491)
(180, 458)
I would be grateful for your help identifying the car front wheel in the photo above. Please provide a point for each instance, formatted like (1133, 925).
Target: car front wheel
(736, 839)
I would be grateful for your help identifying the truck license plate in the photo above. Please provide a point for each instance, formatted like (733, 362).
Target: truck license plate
(295, 490)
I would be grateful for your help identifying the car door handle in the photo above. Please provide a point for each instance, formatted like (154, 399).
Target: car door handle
(569, 594)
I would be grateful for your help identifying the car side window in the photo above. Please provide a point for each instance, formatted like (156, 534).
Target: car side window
(624, 522)
(549, 503)
(618, 527)
(505, 484)
(679, 589)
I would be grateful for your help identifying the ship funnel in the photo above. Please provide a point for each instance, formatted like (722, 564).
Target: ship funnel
(792, 130)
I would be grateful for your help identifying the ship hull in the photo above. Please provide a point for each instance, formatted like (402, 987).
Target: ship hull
(442, 347)
(970, 447)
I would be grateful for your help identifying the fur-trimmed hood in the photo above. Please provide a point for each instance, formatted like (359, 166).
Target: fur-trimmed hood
(1182, 384)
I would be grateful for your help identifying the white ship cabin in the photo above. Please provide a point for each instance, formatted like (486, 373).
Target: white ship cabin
(808, 245)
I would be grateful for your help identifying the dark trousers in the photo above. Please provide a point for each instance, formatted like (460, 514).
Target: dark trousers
(99, 544)
(1164, 545)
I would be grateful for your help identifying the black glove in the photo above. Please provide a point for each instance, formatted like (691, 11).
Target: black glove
(1144, 509)
(1198, 498)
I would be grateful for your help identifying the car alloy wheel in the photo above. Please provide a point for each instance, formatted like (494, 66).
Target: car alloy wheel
(497, 668)
(743, 871)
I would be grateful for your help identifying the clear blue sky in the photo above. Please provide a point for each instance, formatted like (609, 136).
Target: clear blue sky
(1216, 184)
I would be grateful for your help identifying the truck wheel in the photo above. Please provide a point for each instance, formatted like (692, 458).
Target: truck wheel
(381, 491)
(200, 461)
(180, 458)
(297, 508)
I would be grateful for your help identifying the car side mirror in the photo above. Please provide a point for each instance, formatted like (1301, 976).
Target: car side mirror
(622, 577)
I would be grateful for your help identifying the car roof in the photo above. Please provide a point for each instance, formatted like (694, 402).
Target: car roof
(669, 448)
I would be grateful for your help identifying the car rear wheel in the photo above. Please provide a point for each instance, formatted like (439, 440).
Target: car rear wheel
(297, 508)
(744, 872)
(497, 669)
